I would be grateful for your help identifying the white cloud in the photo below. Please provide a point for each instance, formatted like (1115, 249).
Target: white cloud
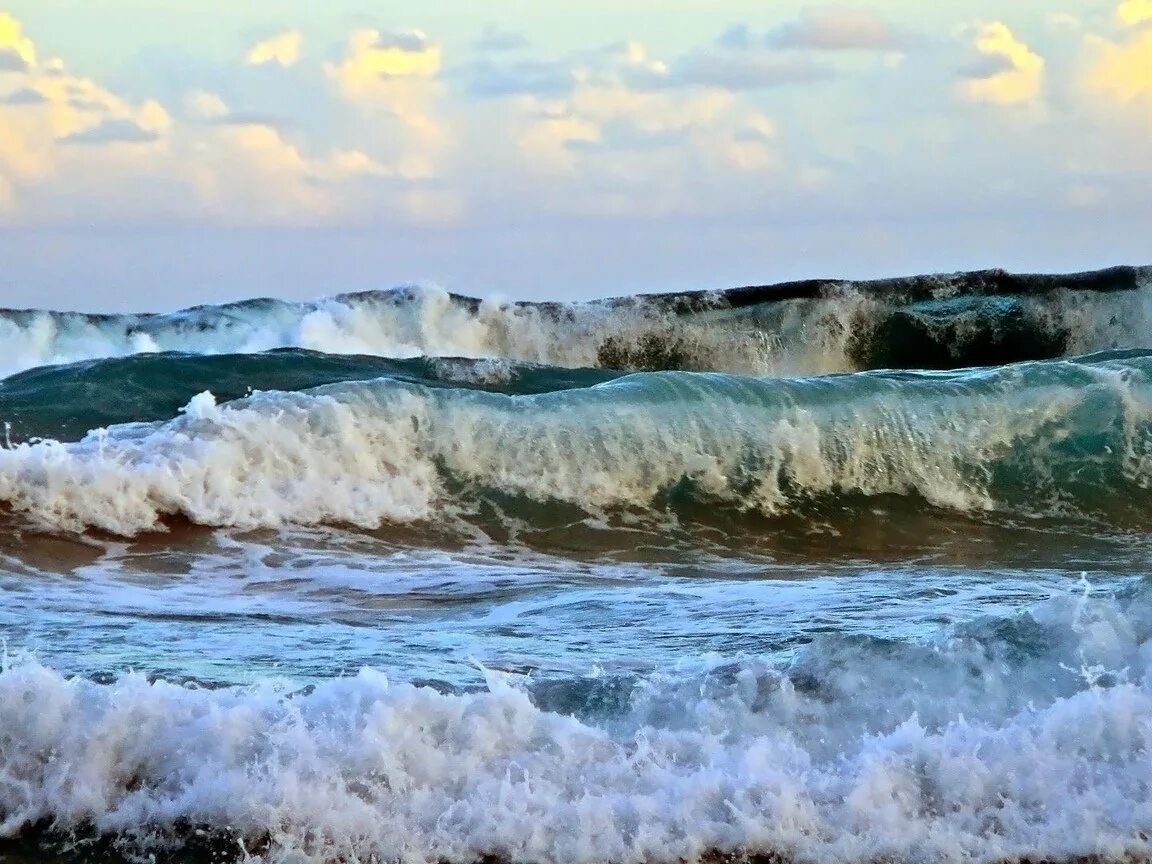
(17, 52)
(1012, 74)
(1133, 13)
(72, 148)
(1064, 21)
(282, 50)
(374, 58)
(1122, 71)
(205, 105)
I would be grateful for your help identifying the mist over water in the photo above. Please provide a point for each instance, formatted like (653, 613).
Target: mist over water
(824, 571)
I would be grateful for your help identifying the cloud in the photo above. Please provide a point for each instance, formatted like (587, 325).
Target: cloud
(392, 80)
(623, 133)
(282, 50)
(17, 53)
(72, 149)
(744, 71)
(494, 40)
(836, 29)
(113, 130)
(542, 78)
(720, 67)
(205, 105)
(1064, 21)
(24, 96)
(374, 58)
(637, 138)
(214, 111)
(1012, 73)
(1133, 13)
(11, 60)
(1123, 70)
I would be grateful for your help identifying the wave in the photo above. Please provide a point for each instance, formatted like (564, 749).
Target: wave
(1072, 437)
(1002, 740)
(812, 327)
(65, 402)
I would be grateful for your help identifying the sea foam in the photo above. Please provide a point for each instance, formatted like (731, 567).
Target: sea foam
(1007, 739)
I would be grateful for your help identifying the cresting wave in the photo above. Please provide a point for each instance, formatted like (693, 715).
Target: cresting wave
(1002, 740)
(811, 327)
(1072, 437)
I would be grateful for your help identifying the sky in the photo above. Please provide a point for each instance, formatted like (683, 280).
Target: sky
(161, 154)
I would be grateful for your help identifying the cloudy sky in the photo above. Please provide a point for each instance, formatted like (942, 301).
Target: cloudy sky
(160, 154)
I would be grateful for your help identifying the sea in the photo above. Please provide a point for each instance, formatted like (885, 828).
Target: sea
(822, 571)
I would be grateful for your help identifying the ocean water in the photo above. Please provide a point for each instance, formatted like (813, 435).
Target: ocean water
(818, 572)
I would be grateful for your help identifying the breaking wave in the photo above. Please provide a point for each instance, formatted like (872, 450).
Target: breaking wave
(801, 328)
(1071, 437)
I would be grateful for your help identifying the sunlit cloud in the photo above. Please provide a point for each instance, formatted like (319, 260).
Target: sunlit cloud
(69, 145)
(397, 126)
(205, 105)
(282, 50)
(1133, 13)
(17, 53)
(374, 57)
(1123, 70)
(1011, 73)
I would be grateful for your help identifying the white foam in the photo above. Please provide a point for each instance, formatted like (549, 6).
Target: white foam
(410, 323)
(869, 757)
(1098, 321)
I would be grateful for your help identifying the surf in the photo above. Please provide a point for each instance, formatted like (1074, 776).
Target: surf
(798, 328)
(1007, 738)
(1067, 437)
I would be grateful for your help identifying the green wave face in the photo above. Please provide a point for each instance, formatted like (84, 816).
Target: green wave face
(66, 402)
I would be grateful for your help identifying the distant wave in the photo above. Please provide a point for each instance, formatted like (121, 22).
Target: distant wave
(1072, 437)
(1004, 740)
(812, 327)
